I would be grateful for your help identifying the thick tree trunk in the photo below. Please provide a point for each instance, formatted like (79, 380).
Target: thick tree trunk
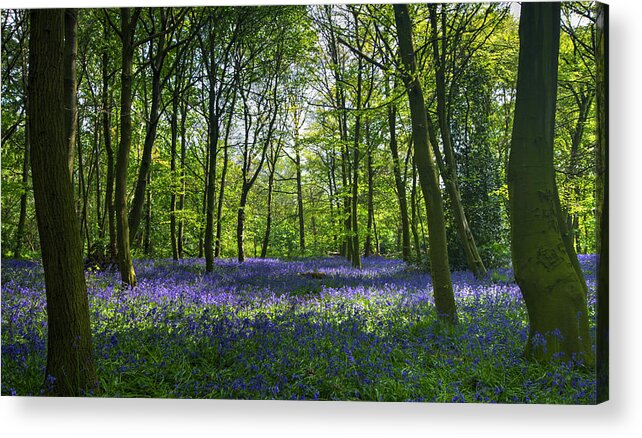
(442, 285)
(554, 294)
(449, 174)
(128, 276)
(70, 367)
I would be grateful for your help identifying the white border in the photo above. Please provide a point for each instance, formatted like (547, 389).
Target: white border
(39, 417)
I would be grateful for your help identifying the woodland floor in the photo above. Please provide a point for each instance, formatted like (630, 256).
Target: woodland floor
(312, 329)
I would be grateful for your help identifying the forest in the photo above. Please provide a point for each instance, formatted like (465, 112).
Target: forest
(324, 202)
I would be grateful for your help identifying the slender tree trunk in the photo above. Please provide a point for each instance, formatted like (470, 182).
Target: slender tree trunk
(221, 194)
(401, 187)
(70, 367)
(172, 201)
(17, 252)
(181, 197)
(444, 295)
(136, 213)
(128, 24)
(240, 223)
(554, 294)
(413, 213)
(82, 191)
(449, 174)
(268, 220)
(211, 186)
(147, 245)
(299, 200)
(71, 82)
(367, 246)
(109, 184)
(97, 156)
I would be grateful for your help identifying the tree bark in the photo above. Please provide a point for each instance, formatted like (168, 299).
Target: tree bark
(128, 25)
(554, 293)
(70, 367)
(400, 185)
(299, 199)
(136, 213)
(109, 184)
(172, 200)
(442, 285)
(449, 175)
(181, 197)
(17, 252)
(367, 245)
(221, 194)
(71, 82)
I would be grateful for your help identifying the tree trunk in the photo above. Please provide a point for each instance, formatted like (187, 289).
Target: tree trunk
(442, 285)
(367, 245)
(147, 240)
(213, 135)
(449, 175)
(109, 184)
(17, 253)
(71, 82)
(268, 220)
(172, 201)
(221, 194)
(400, 185)
(181, 197)
(299, 200)
(413, 210)
(70, 367)
(128, 276)
(554, 294)
(240, 224)
(136, 213)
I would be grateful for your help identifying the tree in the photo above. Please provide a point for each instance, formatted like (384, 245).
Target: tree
(126, 34)
(70, 364)
(442, 285)
(71, 82)
(449, 172)
(544, 270)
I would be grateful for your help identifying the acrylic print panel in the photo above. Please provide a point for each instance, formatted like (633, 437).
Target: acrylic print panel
(326, 202)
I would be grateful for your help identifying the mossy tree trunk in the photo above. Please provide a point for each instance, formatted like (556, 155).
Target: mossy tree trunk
(70, 367)
(545, 272)
(428, 181)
